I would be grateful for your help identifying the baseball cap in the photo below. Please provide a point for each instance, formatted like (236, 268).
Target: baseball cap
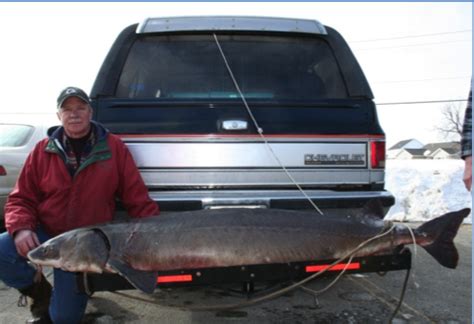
(72, 92)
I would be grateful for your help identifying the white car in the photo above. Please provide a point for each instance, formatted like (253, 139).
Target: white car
(18, 136)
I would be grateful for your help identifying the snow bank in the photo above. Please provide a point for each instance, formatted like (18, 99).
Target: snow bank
(425, 189)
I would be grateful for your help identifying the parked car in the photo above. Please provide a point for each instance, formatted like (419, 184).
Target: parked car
(18, 136)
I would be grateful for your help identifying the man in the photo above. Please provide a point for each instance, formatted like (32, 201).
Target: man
(69, 180)
(466, 144)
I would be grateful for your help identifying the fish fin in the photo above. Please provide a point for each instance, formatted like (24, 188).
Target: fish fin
(444, 230)
(142, 280)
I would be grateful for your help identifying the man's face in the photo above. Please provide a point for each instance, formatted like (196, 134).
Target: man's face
(75, 116)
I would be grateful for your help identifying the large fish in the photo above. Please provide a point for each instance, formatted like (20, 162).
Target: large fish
(139, 249)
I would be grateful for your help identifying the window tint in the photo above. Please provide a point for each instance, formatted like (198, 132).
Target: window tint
(13, 135)
(266, 68)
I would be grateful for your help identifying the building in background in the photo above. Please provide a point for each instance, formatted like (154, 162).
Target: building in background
(396, 149)
(414, 149)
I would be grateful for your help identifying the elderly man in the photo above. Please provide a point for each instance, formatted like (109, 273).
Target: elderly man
(69, 180)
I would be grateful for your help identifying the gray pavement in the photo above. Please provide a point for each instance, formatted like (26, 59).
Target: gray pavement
(434, 295)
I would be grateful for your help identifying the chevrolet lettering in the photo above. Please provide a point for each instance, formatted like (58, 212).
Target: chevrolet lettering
(334, 159)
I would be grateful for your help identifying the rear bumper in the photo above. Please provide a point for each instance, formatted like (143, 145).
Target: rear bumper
(335, 202)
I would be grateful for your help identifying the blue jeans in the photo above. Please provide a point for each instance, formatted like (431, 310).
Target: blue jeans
(67, 305)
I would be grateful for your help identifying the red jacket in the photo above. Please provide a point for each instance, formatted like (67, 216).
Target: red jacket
(46, 194)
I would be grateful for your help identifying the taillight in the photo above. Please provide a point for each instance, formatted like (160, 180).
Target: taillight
(3, 172)
(337, 267)
(175, 278)
(377, 154)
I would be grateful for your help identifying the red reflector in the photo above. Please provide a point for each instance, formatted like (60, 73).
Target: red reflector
(337, 267)
(176, 278)
(377, 154)
(3, 172)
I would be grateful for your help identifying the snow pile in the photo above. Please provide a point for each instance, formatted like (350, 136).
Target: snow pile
(425, 189)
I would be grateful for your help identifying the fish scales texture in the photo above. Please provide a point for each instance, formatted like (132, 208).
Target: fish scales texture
(231, 237)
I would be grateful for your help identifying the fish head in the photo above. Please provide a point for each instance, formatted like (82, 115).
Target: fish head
(75, 251)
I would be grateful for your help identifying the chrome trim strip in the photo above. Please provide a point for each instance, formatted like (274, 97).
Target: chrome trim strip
(260, 197)
(179, 178)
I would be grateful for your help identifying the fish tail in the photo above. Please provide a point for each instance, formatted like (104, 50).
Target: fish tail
(442, 231)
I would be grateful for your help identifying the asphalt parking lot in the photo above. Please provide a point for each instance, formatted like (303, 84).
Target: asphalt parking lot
(434, 295)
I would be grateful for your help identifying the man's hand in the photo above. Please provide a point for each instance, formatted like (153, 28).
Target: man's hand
(467, 177)
(25, 241)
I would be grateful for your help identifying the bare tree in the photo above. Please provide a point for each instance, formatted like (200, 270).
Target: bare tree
(453, 118)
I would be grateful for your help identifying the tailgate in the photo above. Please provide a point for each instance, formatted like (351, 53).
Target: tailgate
(246, 162)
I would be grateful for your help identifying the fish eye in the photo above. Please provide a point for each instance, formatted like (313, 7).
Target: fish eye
(47, 249)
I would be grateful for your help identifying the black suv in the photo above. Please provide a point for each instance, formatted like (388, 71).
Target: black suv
(244, 111)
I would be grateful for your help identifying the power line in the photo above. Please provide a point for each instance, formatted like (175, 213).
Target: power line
(414, 45)
(418, 102)
(411, 36)
(423, 80)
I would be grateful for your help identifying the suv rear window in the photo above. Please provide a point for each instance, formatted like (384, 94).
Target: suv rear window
(14, 135)
(268, 67)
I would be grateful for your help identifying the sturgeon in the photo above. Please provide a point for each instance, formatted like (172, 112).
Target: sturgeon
(139, 249)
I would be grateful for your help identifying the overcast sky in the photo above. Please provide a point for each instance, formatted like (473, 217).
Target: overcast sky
(408, 51)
